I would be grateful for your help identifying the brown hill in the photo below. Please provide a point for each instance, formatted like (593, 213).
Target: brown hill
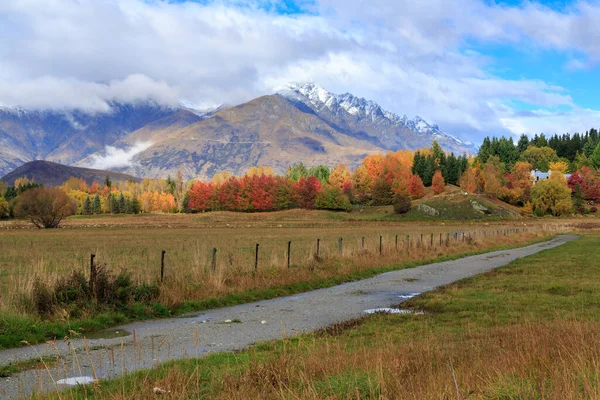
(52, 174)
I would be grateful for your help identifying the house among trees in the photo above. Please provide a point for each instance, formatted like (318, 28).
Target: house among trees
(539, 175)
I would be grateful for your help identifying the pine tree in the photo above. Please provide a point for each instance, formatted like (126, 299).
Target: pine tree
(87, 209)
(122, 206)
(108, 182)
(96, 206)
(522, 144)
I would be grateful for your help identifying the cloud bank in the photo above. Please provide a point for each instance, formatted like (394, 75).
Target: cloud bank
(114, 157)
(413, 57)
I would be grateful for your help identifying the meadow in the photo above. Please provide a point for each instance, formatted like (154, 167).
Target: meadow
(31, 259)
(527, 330)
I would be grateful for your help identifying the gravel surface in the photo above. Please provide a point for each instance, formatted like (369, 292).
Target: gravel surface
(234, 328)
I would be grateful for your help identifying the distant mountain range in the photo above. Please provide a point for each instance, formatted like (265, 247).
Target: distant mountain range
(52, 174)
(304, 123)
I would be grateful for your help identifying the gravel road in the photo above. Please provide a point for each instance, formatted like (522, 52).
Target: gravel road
(219, 330)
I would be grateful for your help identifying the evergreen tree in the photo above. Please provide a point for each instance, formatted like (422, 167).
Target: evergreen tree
(87, 208)
(484, 150)
(595, 157)
(108, 182)
(452, 171)
(128, 206)
(522, 144)
(122, 206)
(96, 206)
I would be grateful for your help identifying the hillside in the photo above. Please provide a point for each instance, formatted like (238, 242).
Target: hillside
(52, 174)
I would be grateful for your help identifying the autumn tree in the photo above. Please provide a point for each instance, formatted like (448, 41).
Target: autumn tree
(539, 157)
(332, 198)
(361, 180)
(402, 203)
(4, 208)
(201, 197)
(382, 193)
(492, 176)
(416, 187)
(45, 207)
(339, 176)
(551, 196)
(306, 191)
(437, 183)
(471, 180)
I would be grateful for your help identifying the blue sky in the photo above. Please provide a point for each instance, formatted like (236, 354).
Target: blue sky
(475, 67)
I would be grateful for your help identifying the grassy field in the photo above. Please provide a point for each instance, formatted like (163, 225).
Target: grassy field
(530, 330)
(30, 257)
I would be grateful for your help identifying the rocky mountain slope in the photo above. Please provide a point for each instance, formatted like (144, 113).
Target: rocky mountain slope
(302, 123)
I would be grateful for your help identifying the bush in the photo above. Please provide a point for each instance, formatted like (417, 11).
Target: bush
(45, 207)
(401, 203)
(593, 210)
(74, 289)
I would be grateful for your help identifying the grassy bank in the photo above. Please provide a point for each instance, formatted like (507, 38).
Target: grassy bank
(528, 330)
(199, 290)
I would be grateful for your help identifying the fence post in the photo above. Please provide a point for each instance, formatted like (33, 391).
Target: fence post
(380, 245)
(93, 272)
(213, 259)
(363, 242)
(431, 241)
(440, 240)
(396, 242)
(318, 247)
(447, 239)
(162, 266)
(340, 246)
(289, 254)
(256, 258)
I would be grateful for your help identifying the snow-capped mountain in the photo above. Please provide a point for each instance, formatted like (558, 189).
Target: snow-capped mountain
(392, 130)
(304, 122)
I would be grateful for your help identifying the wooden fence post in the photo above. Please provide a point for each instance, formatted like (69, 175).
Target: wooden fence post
(318, 247)
(256, 258)
(93, 272)
(363, 242)
(431, 241)
(162, 266)
(380, 245)
(340, 246)
(396, 242)
(213, 259)
(289, 254)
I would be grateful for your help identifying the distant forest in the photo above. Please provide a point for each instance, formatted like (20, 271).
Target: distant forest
(577, 150)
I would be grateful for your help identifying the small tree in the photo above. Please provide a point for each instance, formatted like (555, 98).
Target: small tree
(401, 203)
(87, 208)
(45, 207)
(551, 196)
(437, 183)
(382, 194)
(97, 205)
(416, 187)
(4, 208)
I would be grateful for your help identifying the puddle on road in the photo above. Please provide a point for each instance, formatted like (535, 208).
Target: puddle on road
(408, 296)
(387, 310)
(108, 334)
(76, 381)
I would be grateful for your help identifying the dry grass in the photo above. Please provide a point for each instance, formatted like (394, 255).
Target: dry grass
(135, 244)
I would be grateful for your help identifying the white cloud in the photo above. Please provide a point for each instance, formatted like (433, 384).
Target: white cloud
(117, 158)
(411, 56)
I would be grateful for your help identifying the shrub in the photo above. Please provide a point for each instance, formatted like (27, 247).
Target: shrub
(593, 210)
(74, 289)
(43, 299)
(401, 203)
(45, 207)
(437, 184)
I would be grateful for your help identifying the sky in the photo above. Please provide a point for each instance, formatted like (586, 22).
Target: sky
(474, 67)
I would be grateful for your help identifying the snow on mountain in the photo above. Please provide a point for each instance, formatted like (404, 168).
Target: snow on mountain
(369, 111)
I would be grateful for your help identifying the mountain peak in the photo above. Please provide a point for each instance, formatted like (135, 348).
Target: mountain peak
(367, 111)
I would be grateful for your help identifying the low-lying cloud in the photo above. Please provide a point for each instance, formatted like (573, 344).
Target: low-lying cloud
(114, 157)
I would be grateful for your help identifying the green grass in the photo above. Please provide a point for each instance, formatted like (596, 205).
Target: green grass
(34, 363)
(527, 330)
(17, 328)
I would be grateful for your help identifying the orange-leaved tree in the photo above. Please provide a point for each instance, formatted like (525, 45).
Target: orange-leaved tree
(437, 183)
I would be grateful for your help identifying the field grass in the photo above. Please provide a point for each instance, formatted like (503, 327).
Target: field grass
(530, 330)
(134, 244)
